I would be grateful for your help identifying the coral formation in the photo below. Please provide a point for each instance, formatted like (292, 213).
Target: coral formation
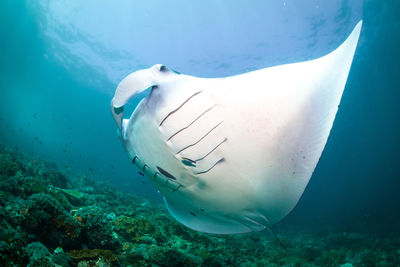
(133, 229)
(38, 254)
(52, 218)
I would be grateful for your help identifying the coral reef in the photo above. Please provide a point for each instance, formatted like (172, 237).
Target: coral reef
(52, 218)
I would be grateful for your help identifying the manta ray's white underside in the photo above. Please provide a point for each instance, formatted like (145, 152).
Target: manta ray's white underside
(234, 154)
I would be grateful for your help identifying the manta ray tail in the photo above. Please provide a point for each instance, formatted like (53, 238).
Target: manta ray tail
(276, 238)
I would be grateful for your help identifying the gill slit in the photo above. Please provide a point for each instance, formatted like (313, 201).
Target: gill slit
(215, 164)
(212, 129)
(184, 128)
(212, 150)
(175, 110)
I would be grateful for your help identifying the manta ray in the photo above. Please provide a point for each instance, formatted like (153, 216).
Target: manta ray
(233, 154)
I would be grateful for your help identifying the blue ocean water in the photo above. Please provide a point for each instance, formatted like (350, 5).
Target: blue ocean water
(60, 62)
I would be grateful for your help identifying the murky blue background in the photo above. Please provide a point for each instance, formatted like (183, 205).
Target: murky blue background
(60, 62)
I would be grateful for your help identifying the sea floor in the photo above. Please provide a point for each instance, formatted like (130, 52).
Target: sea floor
(49, 217)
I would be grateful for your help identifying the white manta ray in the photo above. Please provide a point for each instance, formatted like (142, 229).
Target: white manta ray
(233, 155)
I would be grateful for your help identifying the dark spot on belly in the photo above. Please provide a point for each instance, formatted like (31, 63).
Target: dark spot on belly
(194, 214)
(165, 173)
(141, 173)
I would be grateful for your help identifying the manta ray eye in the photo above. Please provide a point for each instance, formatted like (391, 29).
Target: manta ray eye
(165, 173)
(163, 68)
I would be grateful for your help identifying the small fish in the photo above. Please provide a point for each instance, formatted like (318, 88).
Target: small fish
(188, 162)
